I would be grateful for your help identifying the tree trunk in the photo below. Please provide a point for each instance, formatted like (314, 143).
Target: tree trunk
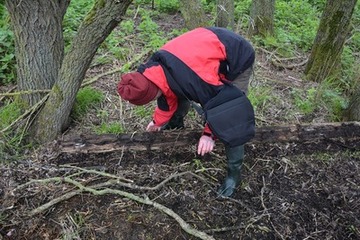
(311, 134)
(328, 45)
(193, 14)
(262, 18)
(39, 45)
(225, 13)
(39, 42)
(354, 107)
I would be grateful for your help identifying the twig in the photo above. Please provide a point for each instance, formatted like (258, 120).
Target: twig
(289, 66)
(9, 91)
(262, 195)
(129, 184)
(97, 172)
(10, 94)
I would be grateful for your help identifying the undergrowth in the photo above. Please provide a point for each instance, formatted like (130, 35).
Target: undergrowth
(295, 29)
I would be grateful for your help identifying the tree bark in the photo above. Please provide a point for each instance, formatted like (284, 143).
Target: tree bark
(329, 42)
(225, 13)
(193, 14)
(262, 18)
(40, 50)
(309, 133)
(354, 106)
(39, 44)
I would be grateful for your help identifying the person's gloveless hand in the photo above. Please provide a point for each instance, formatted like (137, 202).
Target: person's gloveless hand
(206, 145)
(151, 127)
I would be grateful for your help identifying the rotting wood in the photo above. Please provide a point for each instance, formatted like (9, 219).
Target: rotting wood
(140, 141)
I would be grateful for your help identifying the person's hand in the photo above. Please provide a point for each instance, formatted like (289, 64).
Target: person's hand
(151, 127)
(206, 145)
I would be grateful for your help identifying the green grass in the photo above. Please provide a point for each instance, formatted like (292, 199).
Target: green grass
(260, 97)
(143, 111)
(9, 113)
(86, 98)
(113, 128)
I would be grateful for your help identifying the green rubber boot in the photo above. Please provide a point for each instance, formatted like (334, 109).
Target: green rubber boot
(235, 156)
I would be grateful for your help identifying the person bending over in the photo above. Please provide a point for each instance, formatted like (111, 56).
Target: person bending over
(193, 67)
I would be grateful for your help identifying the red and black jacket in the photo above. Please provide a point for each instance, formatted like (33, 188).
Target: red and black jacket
(193, 64)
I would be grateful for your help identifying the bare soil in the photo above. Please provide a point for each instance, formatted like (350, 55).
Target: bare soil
(311, 193)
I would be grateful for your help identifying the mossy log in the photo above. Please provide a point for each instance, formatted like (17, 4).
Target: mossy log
(307, 134)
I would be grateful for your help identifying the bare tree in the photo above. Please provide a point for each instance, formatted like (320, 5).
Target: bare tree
(42, 63)
(225, 13)
(329, 42)
(262, 18)
(193, 13)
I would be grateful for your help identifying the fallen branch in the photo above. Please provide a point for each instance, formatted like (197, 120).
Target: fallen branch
(2, 96)
(184, 225)
(11, 94)
(288, 66)
(296, 133)
(93, 190)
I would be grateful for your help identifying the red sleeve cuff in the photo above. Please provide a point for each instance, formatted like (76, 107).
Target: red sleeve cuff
(207, 132)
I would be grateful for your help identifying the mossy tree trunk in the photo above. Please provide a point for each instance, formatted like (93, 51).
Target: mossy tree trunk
(354, 106)
(262, 18)
(40, 46)
(225, 13)
(193, 14)
(329, 42)
(37, 28)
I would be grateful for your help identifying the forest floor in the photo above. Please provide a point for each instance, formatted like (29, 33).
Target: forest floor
(171, 193)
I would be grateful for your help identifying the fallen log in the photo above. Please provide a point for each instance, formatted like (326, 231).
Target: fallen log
(340, 132)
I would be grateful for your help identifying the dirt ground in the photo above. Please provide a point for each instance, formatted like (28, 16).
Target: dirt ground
(312, 193)
(306, 196)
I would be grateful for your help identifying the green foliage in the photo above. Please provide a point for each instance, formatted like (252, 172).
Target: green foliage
(350, 70)
(198, 165)
(114, 128)
(208, 5)
(115, 43)
(150, 33)
(11, 142)
(335, 102)
(326, 97)
(7, 49)
(143, 111)
(167, 6)
(9, 113)
(73, 18)
(296, 25)
(318, 4)
(305, 102)
(86, 98)
(260, 97)
(242, 13)
(142, 2)
(354, 42)
(106, 126)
